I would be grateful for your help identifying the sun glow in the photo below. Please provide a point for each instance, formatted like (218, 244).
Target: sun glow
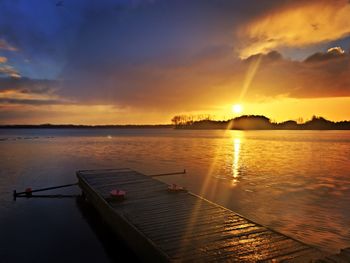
(237, 108)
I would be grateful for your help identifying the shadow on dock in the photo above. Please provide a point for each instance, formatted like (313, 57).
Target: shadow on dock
(115, 248)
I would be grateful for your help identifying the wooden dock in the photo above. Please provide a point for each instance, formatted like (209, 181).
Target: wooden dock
(164, 226)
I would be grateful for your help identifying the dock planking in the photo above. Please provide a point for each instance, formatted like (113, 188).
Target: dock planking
(183, 227)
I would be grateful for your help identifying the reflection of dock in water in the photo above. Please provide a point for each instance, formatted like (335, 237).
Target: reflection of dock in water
(164, 225)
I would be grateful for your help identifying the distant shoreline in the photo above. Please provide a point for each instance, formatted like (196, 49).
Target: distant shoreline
(246, 122)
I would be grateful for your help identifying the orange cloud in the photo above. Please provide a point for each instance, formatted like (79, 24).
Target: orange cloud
(3, 60)
(25, 91)
(296, 25)
(18, 97)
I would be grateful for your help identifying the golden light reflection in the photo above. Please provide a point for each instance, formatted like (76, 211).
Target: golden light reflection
(235, 162)
(210, 185)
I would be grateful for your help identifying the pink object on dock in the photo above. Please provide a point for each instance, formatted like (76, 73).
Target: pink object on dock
(175, 188)
(118, 194)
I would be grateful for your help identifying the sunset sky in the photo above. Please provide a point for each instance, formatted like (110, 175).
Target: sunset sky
(142, 62)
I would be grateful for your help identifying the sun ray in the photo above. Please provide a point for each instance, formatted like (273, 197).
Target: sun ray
(253, 68)
(209, 184)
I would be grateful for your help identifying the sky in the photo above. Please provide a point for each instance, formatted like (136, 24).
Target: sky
(144, 61)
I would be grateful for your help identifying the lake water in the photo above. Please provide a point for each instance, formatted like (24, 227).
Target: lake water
(297, 182)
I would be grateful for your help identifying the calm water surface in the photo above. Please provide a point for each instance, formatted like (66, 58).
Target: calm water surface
(297, 182)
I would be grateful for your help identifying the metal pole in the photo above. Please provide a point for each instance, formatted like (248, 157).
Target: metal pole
(42, 189)
(155, 175)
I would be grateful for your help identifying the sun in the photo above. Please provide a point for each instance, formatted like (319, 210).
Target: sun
(237, 108)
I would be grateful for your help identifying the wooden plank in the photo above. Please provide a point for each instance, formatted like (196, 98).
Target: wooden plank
(178, 207)
(162, 227)
(254, 251)
(209, 221)
(91, 178)
(191, 243)
(169, 215)
(147, 202)
(131, 180)
(178, 234)
(132, 191)
(161, 201)
(203, 251)
(201, 231)
(205, 237)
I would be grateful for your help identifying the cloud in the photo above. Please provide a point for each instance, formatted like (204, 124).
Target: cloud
(156, 84)
(3, 60)
(31, 101)
(6, 46)
(174, 66)
(25, 91)
(28, 85)
(296, 25)
(304, 79)
(162, 58)
(332, 53)
(268, 57)
(211, 79)
(9, 71)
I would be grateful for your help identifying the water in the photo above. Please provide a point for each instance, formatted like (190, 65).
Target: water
(297, 182)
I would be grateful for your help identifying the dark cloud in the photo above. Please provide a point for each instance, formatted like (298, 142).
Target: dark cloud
(211, 78)
(303, 79)
(6, 70)
(37, 102)
(265, 58)
(158, 84)
(332, 53)
(151, 58)
(27, 85)
(26, 91)
(6, 46)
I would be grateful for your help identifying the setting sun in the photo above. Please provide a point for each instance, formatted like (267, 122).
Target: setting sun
(237, 108)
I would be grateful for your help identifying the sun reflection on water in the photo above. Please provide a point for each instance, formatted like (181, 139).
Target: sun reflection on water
(235, 162)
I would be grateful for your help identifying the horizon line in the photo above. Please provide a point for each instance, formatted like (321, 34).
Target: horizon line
(164, 124)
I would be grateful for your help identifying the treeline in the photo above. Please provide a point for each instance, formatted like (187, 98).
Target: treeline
(256, 122)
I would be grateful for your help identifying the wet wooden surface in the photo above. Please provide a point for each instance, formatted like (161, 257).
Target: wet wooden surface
(342, 257)
(163, 226)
